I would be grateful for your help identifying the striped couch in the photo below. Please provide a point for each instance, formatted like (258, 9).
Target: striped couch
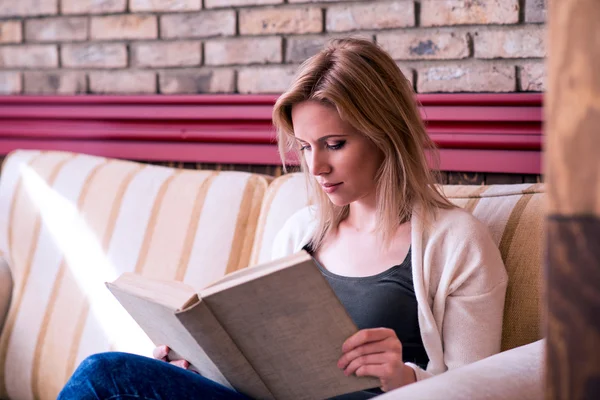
(69, 222)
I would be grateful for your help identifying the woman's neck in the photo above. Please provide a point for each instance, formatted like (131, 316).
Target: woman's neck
(362, 217)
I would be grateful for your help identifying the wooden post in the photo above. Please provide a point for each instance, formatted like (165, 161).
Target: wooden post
(572, 110)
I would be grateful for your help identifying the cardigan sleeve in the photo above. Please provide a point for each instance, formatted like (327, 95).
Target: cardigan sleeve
(472, 329)
(295, 233)
(468, 305)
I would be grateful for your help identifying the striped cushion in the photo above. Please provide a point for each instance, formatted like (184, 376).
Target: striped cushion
(515, 216)
(513, 213)
(71, 222)
(285, 195)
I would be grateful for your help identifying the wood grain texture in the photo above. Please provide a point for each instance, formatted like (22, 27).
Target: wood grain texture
(572, 109)
(573, 278)
(502, 179)
(533, 179)
(466, 178)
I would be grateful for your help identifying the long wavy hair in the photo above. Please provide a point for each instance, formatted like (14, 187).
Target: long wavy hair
(369, 91)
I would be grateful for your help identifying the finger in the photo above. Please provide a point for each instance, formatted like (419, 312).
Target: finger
(161, 352)
(376, 370)
(380, 358)
(391, 344)
(365, 336)
(369, 348)
(181, 364)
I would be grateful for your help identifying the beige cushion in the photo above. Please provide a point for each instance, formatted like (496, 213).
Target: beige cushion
(71, 222)
(513, 213)
(6, 285)
(516, 374)
(515, 216)
(285, 195)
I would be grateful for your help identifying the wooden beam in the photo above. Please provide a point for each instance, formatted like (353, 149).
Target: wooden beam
(573, 176)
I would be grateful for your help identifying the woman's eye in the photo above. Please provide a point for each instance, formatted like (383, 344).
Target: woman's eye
(336, 146)
(305, 147)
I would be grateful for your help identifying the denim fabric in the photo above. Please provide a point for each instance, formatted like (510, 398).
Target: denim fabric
(117, 376)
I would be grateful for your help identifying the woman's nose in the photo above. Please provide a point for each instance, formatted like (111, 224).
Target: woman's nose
(319, 164)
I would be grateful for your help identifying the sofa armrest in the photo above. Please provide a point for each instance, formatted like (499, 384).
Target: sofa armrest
(6, 285)
(513, 374)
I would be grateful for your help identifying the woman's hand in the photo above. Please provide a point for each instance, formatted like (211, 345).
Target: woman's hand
(376, 352)
(162, 353)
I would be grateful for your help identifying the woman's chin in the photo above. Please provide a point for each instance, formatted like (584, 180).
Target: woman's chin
(338, 200)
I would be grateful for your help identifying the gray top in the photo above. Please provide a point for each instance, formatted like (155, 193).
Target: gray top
(385, 300)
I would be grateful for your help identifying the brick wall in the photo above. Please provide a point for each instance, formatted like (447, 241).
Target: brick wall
(254, 46)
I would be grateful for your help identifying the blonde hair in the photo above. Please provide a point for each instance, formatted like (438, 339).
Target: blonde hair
(369, 92)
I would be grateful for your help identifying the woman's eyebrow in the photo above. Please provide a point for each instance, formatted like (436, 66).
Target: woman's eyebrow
(321, 139)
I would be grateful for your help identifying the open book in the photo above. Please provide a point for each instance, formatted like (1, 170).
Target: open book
(273, 331)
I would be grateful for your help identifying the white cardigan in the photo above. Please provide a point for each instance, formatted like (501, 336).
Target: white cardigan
(459, 281)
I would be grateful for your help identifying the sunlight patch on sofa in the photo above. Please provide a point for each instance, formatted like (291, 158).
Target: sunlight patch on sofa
(89, 265)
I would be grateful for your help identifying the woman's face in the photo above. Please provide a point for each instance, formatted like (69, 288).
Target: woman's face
(343, 161)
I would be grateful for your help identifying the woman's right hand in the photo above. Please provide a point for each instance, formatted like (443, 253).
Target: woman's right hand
(162, 353)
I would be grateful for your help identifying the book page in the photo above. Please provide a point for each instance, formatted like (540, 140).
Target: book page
(290, 326)
(162, 326)
(255, 272)
(172, 294)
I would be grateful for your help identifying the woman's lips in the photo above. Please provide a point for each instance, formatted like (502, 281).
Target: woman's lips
(329, 188)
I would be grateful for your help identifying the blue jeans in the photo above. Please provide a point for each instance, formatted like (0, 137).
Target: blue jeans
(117, 376)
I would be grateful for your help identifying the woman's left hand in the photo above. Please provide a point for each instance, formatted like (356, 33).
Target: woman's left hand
(376, 352)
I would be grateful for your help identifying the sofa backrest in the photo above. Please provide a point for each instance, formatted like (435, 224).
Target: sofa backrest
(514, 215)
(70, 222)
(285, 195)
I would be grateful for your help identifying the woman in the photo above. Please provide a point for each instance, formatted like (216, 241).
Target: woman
(422, 280)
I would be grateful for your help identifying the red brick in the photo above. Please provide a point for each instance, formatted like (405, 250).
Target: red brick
(425, 44)
(372, 15)
(196, 25)
(235, 3)
(92, 6)
(321, 1)
(275, 79)
(265, 21)
(124, 27)
(535, 11)
(511, 42)
(299, 48)
(29, 56)
(249, 50)
(533, 77)
(408, 72)
(10, 82)
(10, 32)
(467, 78)
(465, 12)
(27, 8)
(197, 81)
(56, 29)
(123, 82)
(164, 5)
(105, 55)
(55, 82)
(166, 54)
